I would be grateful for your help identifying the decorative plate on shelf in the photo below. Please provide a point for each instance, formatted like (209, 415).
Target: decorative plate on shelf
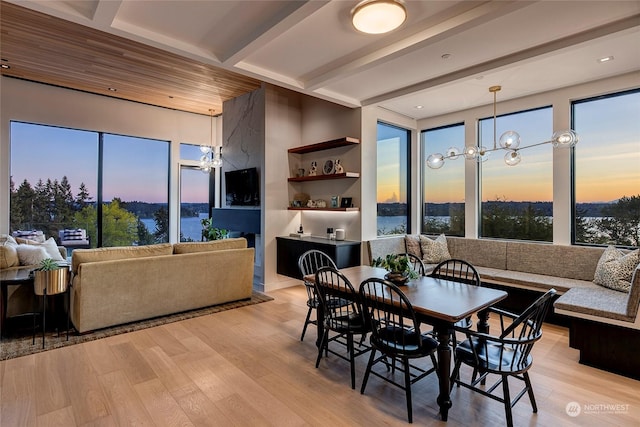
(329, 167)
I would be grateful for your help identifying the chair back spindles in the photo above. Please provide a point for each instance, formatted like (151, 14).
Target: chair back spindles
(457, 270)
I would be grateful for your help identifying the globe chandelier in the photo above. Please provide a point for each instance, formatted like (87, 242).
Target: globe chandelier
(508, 142)
(210, 159)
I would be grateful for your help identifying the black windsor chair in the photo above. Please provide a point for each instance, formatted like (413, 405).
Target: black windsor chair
(395, 333)
(346, 320)
(506, 355)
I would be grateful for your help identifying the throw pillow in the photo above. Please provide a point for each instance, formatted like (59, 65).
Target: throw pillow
(31, 255)
(412, 245)
(5, 238)
(434, 251)
(52, 249)
(615, 269)
(8, 255)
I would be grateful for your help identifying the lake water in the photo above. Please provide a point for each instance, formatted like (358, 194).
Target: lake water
(189, 227)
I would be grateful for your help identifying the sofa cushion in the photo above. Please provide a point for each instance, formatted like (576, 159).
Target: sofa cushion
(213, 245)
(121, 252)
(615, 268)
(31, 254)
(434, 251)
(8, 255)
(412, 245)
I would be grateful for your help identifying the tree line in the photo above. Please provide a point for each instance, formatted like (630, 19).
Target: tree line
(596, 223)
(51, 206)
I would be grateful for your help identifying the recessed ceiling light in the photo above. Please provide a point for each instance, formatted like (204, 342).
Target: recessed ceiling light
(113, 89)
(419, 107)
(605, 59)
(446, 56)
(5, 66)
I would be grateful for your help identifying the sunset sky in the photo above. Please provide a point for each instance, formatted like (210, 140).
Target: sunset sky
(137, 169)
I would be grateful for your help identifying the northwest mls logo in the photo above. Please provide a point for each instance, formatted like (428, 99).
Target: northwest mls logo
(573, 409)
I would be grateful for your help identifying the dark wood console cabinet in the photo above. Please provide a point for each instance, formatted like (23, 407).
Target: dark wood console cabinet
(344, 253)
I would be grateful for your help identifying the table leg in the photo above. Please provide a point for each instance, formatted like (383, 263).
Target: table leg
(443, 334)
(483, 326)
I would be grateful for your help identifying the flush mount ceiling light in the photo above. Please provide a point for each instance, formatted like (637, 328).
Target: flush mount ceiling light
(509, 142)
(378, 16)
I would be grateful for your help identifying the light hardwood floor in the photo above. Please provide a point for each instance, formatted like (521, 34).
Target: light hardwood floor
(248, 367)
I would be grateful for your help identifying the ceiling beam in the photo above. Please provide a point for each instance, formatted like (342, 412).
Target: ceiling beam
(431, 31)
(523, 55)
(292, 14)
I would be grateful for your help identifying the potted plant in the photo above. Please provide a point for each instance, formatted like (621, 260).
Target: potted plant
(398, 267)
(209, 232)
(50, 276)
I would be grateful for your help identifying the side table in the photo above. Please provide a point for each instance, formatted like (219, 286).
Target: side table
(18, 277)
(46, 284)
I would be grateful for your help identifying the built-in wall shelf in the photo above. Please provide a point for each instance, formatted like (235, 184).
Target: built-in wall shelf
(324, 209)
(325, 145)
(324, 177)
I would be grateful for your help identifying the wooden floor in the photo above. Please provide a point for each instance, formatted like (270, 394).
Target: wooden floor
(248, 367)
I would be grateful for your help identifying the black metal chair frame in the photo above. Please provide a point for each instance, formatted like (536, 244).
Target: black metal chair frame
(308, 263)
(346, 320)
(396, 335)
(506, 355)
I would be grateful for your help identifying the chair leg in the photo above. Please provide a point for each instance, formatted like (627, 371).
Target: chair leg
(351, 360)
(532, 398)
(323, 343)
(407, 388)
(368, 370)
(455, 375)
(507, 400)
(306, 322)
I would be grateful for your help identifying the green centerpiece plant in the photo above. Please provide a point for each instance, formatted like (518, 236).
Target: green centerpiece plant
(399, 268)
(209, 232)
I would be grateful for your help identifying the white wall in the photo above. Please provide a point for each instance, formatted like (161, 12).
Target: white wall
(43, 104)
(560, 100)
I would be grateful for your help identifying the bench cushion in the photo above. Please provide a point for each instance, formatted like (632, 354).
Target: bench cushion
(601, 302)
(530, 280)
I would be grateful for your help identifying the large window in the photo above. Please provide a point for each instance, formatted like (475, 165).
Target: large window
(115, 187)
(393, 179)
(197, 196)
(443, 189)
(517, 201)
(607, 170)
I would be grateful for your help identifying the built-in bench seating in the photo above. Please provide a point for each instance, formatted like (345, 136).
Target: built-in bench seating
(604, 324)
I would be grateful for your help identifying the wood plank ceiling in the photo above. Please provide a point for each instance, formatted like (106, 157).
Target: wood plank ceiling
(50, 50)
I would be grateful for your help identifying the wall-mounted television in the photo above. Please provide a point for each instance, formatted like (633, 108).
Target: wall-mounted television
(242, 187)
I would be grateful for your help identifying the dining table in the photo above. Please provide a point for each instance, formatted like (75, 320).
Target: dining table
(437, 302)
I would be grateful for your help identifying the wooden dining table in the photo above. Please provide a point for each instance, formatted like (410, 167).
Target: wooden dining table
(440, 303)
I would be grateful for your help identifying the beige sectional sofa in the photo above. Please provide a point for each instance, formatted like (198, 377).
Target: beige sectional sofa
(118, 285)
(601, 321)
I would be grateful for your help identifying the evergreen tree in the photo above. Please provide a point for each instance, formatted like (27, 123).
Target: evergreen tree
(144, 236)
(83, 197)
(161, 218)
(622, 222)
